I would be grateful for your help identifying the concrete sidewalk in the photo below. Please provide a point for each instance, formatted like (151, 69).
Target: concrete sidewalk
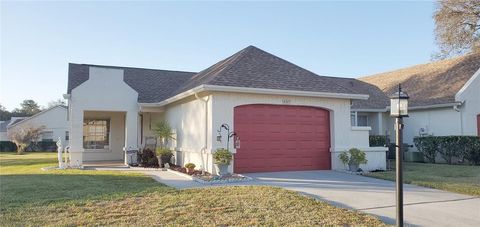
(423, 206)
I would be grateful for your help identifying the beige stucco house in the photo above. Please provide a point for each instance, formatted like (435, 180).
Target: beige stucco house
(285, 117)
(444, 99)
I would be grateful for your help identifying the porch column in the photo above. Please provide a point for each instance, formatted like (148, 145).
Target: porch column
(380, 123)
(131, 132)
(76, 138)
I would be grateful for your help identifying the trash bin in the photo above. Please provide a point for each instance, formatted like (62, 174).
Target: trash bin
(132, 157)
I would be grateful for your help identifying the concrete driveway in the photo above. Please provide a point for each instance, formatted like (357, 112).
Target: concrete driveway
(423, 206)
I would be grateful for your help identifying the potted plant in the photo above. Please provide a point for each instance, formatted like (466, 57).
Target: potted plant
(222, 158)
(190, 167)
(164, 156)
(353, 157)
(164, 133)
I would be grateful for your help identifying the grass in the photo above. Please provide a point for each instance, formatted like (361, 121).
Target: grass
(30, 196)
(454, 178)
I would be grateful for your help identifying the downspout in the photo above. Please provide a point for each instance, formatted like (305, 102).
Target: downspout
(204, 149)
(456, 108)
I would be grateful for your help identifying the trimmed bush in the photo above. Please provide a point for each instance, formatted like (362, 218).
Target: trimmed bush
(377, 141)
(428, 146)
(450, 148)
(7, 146)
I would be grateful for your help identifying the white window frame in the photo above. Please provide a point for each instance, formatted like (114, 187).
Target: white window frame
(109, 126)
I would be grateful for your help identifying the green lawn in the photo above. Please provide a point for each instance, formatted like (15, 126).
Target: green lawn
(30, 196)
(454, 178)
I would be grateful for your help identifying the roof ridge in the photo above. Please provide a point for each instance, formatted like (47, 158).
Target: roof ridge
(227, 63)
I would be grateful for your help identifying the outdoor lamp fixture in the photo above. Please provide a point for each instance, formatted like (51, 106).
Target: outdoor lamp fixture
(399, 109)
(229, 134)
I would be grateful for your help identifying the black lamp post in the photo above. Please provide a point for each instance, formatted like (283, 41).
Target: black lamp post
(399, 109)
(229, 134)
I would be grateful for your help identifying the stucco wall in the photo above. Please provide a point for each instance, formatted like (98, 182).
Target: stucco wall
(116, 140)
(471, 107)
(54, 120)
(438, 121)
(193, 131)
(105, 90)
(342, 135)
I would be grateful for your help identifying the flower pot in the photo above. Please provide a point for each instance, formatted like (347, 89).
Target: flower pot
(222, 169)
(164, 159)
(190, 170)
(353, 167)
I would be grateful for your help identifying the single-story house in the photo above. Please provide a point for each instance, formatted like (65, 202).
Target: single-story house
(444, 99)
(4, 125)
(54, 121)
(284, 116)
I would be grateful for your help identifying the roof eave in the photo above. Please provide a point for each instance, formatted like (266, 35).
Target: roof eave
(216, 88)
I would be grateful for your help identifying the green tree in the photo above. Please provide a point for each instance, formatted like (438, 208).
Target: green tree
(27, 108)
(4, 113)
(56, 103)
(457, 27)
(164, 132)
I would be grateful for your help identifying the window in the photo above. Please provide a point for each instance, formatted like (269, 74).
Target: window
(67, 135)
(359, 119)
(362, 120)
(47, 136)
(96, 133)
(353, 118)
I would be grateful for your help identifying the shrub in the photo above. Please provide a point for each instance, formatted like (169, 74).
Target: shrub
(190, 166)
(377, 141)
(353, 156)
(428, 146)
(222, 157)
(148, 158)
(163, 152)
(7, 146)
(450, 147)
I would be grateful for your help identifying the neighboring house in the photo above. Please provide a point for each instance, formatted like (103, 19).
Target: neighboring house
(54, 120)
(444, 99)
(5, 124)
(285, 117)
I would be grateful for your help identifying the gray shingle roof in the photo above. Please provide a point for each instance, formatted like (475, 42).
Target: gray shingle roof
(377, 99)
(255, 68)
(429, 84)
(250, 68)
(152, 85)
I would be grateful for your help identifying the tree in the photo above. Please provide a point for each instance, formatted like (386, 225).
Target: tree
(164, 132)
(457, 28)
(4, 113)
(23, 136)
(28, 108)
(57, 102)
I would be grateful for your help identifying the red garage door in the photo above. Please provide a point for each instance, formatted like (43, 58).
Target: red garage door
(281, 138)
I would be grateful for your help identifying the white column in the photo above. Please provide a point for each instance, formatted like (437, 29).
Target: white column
(76, 137)
(380, 123)
(131, 131)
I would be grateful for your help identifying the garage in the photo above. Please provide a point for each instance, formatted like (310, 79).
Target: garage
(281, 138)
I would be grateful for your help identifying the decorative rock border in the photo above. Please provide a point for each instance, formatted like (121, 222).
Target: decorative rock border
(350, 172)
(219, 181)
(48, 168)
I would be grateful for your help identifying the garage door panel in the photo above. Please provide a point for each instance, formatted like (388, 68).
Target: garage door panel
(281, 138)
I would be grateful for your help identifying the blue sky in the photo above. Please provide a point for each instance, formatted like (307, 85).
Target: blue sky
(347, 39)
